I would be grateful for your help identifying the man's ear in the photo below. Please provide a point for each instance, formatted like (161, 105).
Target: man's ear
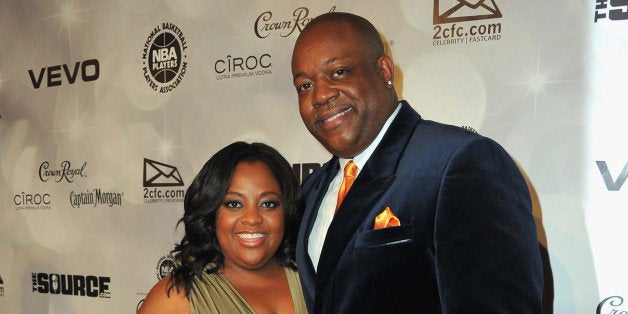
(386, 67)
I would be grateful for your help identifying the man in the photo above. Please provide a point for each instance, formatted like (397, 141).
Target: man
(438, 218)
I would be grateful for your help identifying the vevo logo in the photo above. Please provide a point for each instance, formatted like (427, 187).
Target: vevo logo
(612, 184)
(53, 75)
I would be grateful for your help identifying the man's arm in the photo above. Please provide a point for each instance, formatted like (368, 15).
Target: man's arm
(487, 255)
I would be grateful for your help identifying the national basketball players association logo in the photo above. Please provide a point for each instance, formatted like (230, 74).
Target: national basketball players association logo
(164, 58)
(165, 266)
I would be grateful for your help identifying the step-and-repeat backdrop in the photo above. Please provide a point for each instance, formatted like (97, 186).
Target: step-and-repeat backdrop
(109, 108)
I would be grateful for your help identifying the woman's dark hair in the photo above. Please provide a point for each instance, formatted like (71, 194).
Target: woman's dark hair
(199, 249)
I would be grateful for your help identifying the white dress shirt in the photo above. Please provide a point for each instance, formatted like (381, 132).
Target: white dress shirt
(328, 205)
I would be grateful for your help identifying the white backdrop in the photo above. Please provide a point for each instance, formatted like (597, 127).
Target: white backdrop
(109, 108)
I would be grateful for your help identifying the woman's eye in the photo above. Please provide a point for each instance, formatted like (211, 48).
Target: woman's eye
(232, 204)
(270, 204)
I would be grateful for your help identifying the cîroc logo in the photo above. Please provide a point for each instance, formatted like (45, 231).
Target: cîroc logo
(164, 57)
(27, 200)
(237, 67)
(79, 285)
(165, 266)
(64, 172)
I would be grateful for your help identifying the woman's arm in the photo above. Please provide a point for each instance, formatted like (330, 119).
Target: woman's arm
(159, 300)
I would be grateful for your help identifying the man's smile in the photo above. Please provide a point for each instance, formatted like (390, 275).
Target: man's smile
(326, 119)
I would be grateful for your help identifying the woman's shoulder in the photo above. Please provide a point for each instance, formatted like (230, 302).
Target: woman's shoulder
(160, 300)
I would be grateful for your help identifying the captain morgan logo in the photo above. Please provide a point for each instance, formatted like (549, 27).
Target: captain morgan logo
(164, 58)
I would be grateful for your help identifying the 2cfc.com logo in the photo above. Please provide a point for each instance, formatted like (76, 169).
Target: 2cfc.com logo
(164, 58)
(466, 12)
(159, 182)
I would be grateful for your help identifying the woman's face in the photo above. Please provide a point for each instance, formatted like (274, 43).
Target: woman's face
(249, 223)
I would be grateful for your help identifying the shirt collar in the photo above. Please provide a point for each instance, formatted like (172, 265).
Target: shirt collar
(361, 159)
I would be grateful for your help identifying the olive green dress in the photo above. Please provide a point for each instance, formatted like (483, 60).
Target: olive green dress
(217, 295)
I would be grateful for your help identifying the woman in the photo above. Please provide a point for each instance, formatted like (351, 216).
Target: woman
(241, 219)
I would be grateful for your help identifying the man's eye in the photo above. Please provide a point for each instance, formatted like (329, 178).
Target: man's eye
(304, 87)
(232, 204)
(340, 72)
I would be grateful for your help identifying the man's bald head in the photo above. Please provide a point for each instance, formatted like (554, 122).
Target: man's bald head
(362, 28)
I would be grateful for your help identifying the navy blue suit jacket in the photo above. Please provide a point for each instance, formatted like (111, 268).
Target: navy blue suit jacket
(467, 240)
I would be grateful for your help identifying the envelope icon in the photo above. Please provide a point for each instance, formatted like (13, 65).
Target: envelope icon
(465, 10)
(159, 174)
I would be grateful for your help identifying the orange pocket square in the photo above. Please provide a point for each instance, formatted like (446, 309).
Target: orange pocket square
(386, 219)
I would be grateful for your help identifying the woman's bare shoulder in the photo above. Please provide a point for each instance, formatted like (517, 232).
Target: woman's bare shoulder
(159, 300)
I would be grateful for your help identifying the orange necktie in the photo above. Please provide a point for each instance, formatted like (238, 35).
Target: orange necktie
(351, 170)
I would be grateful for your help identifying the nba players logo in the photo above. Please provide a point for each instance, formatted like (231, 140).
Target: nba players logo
(164, 58)
(165, 266)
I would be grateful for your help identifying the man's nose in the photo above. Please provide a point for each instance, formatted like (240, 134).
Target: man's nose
(323, 92)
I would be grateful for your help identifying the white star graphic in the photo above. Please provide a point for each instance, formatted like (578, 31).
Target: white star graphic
(166, 146)
(69, 18)
(537, 82)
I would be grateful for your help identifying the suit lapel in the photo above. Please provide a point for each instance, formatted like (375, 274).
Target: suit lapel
(371, 183)
(314, 198)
